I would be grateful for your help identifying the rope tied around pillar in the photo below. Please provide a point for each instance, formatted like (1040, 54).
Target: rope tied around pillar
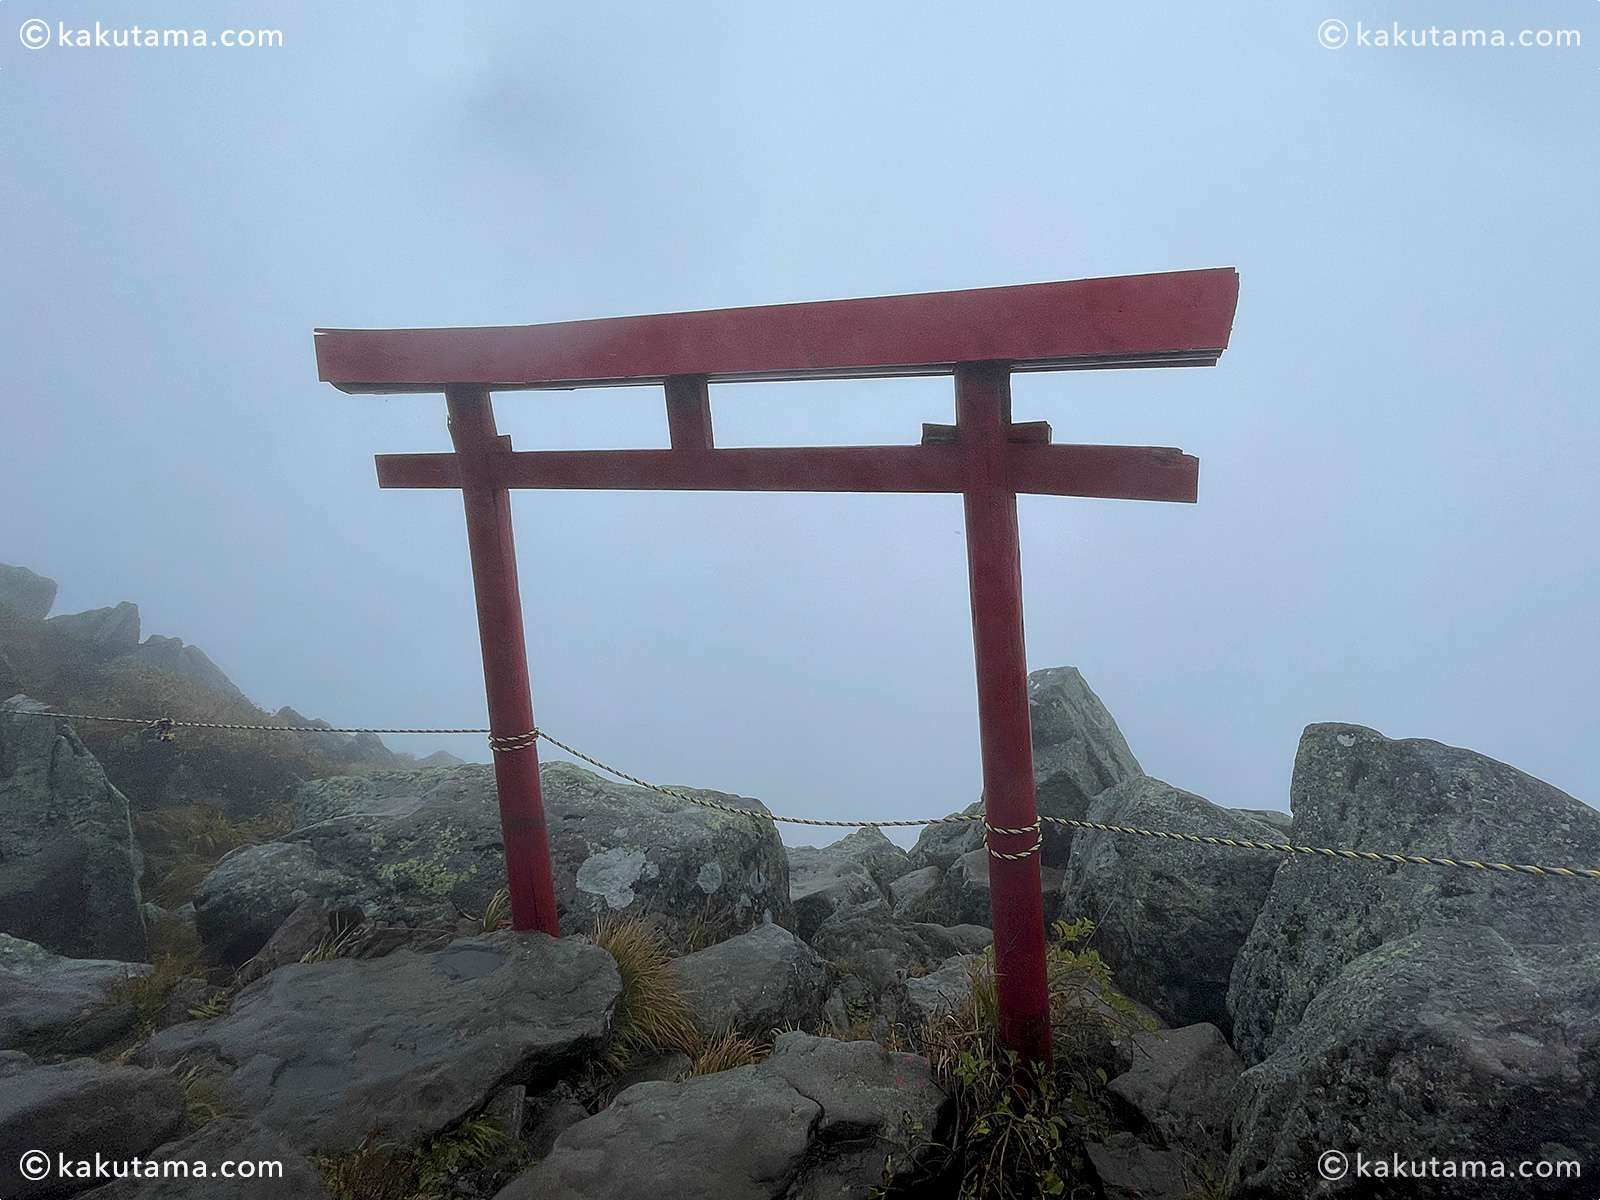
(1036, 829)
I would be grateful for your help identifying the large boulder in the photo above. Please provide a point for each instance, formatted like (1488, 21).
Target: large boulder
(1354, 788)
(261, 1166)
(26, 594)
(424, 847)
(818, 1120)
(1454, 1044)
(73, 1112)
(1170, 916)
(1078, 752)
(69, 867)
(71, 1005)
(327, 1054)
(754, 983)
(100, 633)
(852, 870)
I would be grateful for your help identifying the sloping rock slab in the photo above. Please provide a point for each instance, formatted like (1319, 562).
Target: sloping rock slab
(817, 1118)
(70, 1002)
(1353, 787)
(1170, 916)
(1182, 1082)
(325, 1054)
(422, 847)
(1452, 1044)
(78, 1109)
(262, 1166)
(1130, 1170)
(69, 869)
(755, 983)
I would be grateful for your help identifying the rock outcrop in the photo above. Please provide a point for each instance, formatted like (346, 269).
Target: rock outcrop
(421, 847)
(1454, 1043)
(818, 1119)
(1355, 788)
(100, 633)
(76, 1110)
(26, 594)
(72, 1005)
(752, 984)
(326, 1054)
(852, 870)
(1182, 1083)
(1078, 752)
(69, 868)
(1170, 916)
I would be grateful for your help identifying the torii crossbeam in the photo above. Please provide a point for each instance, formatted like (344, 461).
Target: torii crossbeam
(980, 337)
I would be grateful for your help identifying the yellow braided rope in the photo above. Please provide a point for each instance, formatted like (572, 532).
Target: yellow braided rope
(165, 725)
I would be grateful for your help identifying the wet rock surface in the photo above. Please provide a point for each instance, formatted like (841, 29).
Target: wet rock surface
(754, 983)
(325, 1054)
(818, 1118)
(70, 1004)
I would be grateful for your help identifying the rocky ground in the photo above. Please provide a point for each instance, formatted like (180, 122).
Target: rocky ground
(726, 1017)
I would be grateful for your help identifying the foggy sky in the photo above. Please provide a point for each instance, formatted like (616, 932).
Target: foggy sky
(1398, 492)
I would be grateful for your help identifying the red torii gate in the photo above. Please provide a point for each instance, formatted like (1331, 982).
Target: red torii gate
(979, 336)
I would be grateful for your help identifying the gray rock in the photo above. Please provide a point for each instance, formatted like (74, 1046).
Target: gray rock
(1183, 1082)
(422, 847)
(943, 990)
(1355, 788)
(70, 1004)
(101, 633)
(967, 897)
(326, 1054)
(869, 847)
(1170, 916)
(817, 1119)
(301, 932)
(939, 845)
(69, 867)
(1078, 752)
(1452, 1043)
(441, 758)
(1281, 821)
(755, 983)
(187, 662)
(78, 1109)
(1130, 1170)
(820, 883)
(25, 593)
(919, 896)
(548, 1116)
(877, 955)
(276, 1170)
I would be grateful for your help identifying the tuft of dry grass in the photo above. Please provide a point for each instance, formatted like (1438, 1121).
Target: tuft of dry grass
(727, 1052)
(183, 842)
(652, 1013)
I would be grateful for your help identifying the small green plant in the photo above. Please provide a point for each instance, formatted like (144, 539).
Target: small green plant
(498, 914)
(1018, 1127)
(465, 1146)
(652, 1013)
(379, 1170)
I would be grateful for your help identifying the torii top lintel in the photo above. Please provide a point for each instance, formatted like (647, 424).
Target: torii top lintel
(1178, 318)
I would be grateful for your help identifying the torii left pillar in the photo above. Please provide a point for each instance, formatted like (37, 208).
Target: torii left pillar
(505, 663)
